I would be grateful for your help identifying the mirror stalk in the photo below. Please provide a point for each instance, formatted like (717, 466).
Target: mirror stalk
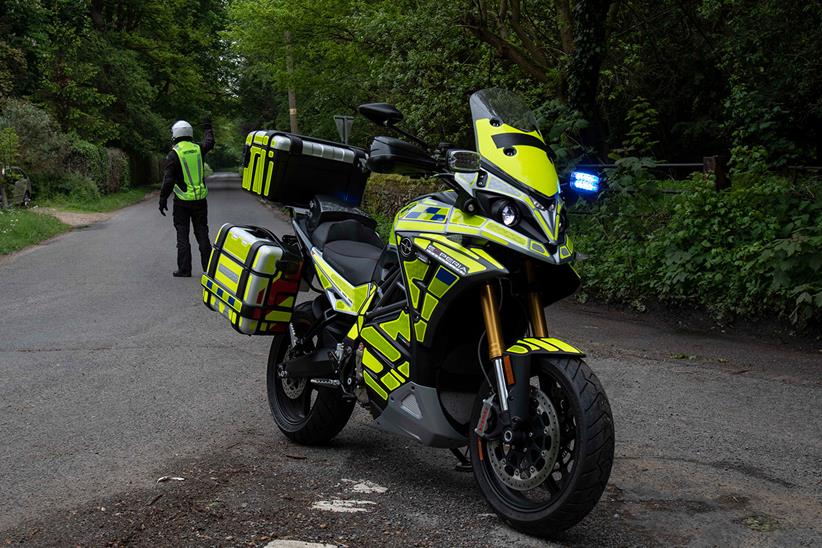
(408, 135)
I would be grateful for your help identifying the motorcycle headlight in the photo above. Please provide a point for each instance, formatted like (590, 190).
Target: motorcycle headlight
(507, 212)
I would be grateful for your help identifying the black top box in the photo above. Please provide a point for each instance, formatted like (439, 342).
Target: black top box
(292, 169)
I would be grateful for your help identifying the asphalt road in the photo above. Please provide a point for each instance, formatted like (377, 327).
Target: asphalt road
(112, 374)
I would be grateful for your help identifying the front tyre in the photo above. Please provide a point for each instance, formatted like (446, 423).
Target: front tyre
(550, 481)
(305, 413)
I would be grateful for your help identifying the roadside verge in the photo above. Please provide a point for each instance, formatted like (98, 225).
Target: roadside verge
(21, 228)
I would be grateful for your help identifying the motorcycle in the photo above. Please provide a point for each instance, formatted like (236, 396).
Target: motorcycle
(442, 334)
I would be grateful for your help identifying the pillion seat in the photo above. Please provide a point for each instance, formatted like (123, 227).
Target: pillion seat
(350, 247)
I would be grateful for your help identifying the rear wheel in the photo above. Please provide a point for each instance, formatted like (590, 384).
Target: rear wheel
(553, 475)
(305, 413)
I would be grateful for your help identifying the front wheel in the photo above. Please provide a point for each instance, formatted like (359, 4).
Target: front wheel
(305, 413)
(554, 474)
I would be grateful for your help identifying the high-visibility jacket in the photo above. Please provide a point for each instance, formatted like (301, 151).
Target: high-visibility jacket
(191, 161)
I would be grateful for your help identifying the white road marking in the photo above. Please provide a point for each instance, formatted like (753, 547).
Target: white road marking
(342, 506)
(366, 486)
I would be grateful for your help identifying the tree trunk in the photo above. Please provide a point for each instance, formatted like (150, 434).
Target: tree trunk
(590, 22)
(292, 96)
(566, 25)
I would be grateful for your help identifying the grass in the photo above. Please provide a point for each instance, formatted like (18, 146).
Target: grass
(21, 227)
(108, 202)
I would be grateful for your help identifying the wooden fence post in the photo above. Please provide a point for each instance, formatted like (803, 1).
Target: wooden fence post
(719, 167)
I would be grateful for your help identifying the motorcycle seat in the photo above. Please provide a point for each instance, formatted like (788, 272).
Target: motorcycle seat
(350, 247)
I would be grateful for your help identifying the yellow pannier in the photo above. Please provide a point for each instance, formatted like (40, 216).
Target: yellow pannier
(253, 278)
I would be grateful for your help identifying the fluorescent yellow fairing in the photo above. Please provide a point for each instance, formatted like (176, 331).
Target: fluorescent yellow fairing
(530, 165)
(354, 299)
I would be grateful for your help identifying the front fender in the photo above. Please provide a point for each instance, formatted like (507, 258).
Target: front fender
(547, 345)
(517, 361)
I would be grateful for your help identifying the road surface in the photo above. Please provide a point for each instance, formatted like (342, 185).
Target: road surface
(113, 373)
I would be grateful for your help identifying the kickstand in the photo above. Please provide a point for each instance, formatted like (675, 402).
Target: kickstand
(464, 464)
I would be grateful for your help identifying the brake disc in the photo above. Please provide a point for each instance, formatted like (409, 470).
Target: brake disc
(293, 388)
(526, 466)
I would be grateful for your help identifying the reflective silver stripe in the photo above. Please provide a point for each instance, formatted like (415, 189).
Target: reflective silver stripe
(228, 274)
(190, 181)
(198, 189)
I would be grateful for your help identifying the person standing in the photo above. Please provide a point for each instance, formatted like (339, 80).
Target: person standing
(184, 176)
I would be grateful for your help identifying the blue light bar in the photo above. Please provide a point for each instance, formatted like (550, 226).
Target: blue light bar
(584, 182)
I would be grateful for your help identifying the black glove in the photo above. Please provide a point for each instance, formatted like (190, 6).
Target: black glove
(163, 207)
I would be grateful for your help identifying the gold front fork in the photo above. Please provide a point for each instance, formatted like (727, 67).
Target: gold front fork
(535, 308)
(493, 332)
(490, 313)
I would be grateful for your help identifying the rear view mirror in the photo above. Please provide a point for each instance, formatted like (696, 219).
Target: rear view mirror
(381, 114)
(463, 161)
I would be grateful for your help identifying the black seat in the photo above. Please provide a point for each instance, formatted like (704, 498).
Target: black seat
(350, 247)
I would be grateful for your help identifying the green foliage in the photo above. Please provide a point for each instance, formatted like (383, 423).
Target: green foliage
(108, 202)
(115, 73)
(642, 122)
(75, 186)
(20, 228)
(88, 160)
(754, 250)
(769, 53)
(386, 194)
(346, 53)
(562, 129)
(632, 175)
(9, 146)
(43, 146)
(118, 173)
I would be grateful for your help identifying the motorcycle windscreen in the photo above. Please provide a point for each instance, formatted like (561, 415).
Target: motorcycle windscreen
(508, 137)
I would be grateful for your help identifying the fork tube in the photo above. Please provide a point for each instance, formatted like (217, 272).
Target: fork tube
(535, 308)
(492, 326)
(493, 333)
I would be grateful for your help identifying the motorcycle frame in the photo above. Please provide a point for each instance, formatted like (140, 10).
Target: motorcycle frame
(396, 335)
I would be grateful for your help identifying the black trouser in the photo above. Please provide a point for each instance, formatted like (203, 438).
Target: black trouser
(196, 212)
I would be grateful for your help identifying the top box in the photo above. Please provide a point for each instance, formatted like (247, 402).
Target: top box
(291, 169)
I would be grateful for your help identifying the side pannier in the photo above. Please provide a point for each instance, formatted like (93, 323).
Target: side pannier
(291, 169)
(253, 278)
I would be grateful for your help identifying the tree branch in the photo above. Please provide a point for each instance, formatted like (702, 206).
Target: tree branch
(524, 36)
(507, 50)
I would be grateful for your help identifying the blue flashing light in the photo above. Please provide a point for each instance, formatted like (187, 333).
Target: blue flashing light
(584, 182)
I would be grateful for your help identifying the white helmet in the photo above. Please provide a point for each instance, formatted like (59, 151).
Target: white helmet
(181, 129)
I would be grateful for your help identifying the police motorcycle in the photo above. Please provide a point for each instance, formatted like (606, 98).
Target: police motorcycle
(442, 333)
